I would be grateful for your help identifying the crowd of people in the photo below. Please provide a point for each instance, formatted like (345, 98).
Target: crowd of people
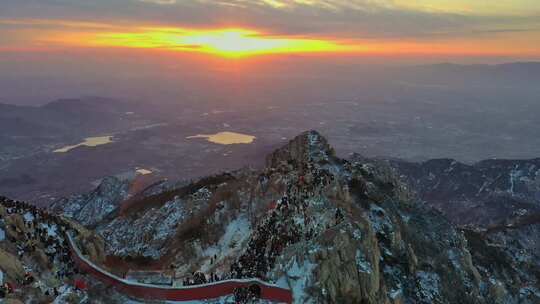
(198, 278)
(247, 294)
(280, 227)
(44, 232)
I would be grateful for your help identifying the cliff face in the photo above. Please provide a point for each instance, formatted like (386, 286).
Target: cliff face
(334, 231)
(392, 249)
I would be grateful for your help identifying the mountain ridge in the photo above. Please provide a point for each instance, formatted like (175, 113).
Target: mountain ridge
(340, 231)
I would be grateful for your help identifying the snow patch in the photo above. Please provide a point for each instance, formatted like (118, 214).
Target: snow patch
(236, 233)
(395, 293)
(428, 285)
(52, 230)
(28, 217)
(147, 234)
(361, 263)
(297, 278)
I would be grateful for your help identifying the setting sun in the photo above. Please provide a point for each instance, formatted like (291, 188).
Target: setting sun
(229, 42)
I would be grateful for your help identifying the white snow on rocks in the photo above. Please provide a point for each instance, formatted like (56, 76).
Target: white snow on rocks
(237, 233)
(362, 264)
(145, 235)
(52, 230)
(28, 217)
(298, 278)
(428, 285)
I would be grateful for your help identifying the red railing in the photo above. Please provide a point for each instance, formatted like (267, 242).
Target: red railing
(189, 293)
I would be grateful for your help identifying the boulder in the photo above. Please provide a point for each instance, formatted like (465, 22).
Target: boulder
(89, 243)
(42, 259)
(14, 226)
(11, 266)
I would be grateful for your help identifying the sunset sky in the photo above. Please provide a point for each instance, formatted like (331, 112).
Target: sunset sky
(244, 49)
(239, 28)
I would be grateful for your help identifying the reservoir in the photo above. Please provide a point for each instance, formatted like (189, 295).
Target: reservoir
(226, 138)
(143, 171)
(88, 142)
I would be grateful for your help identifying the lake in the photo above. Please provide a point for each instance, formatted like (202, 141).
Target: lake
(88, 142)
(143, 171)
(226, 138)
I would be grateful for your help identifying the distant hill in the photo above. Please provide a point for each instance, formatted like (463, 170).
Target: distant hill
(27, 129)
(516, 74)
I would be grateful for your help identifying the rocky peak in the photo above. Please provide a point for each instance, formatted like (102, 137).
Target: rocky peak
(110, 185)
(308, 147)
(93, 207)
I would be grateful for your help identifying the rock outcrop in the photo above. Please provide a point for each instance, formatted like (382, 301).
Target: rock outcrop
(89, 209)
(402, 251)
(35, 258)
(11, 266)
(308, 147)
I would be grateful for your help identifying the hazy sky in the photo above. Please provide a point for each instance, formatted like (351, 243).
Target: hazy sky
(47, 46)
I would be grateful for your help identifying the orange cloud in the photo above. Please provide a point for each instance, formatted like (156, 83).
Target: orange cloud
(227, 42)
(239, 42)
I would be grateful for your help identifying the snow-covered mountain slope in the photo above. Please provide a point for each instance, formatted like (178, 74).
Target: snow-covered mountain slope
(89, 209)
(499, 197)
(35, 260)
(331, 230)
(486, 193)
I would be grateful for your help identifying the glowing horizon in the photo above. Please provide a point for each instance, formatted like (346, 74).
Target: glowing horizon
(238, 42)
(38, 35)
(225, 42)
(240, 28)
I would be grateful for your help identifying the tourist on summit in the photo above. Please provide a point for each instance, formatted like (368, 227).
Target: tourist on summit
(28, 279)
(339, 217)
(8, 288)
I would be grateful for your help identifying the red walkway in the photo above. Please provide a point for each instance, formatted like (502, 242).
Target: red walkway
(189, 293)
